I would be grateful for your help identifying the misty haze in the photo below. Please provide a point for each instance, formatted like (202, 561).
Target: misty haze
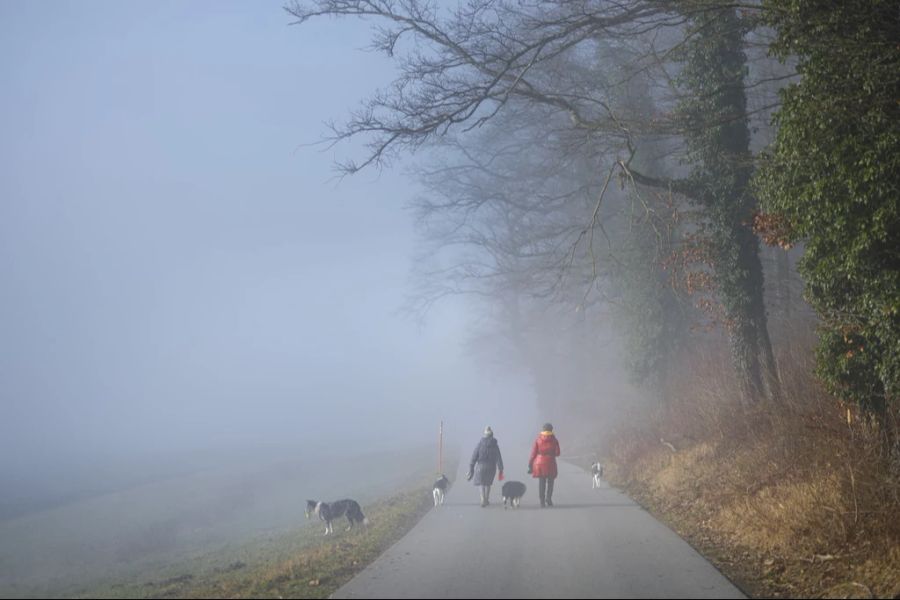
(345, 298)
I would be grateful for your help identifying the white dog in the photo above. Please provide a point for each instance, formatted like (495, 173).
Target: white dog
(596, 474)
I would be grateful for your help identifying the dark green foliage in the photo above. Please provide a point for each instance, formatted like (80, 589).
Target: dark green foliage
(831, 181)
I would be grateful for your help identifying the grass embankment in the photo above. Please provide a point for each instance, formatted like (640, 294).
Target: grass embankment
(792, 499)
(300, 564)
(138, 533)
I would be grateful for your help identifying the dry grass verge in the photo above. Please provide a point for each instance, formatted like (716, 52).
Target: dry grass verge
(798, 499)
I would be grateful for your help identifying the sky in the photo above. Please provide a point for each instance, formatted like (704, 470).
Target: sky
(180, 269)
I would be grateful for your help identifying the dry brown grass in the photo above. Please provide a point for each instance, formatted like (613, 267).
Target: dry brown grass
(792, 499)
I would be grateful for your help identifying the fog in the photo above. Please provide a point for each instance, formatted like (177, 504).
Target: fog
(257, 252)
(209, 314)
(185, 283)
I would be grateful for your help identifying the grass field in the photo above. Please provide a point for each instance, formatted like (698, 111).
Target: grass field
(299, 564)
(236, 528)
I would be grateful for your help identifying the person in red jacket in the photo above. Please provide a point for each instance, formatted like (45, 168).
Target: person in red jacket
(542, 463)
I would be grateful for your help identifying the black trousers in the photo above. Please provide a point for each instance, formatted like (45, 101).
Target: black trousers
(545, 489)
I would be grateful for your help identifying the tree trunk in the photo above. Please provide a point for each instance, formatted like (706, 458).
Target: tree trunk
(718, 138)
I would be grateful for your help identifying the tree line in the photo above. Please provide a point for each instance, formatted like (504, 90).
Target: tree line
(636, 161)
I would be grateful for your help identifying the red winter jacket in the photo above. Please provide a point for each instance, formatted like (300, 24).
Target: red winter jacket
(543, 455)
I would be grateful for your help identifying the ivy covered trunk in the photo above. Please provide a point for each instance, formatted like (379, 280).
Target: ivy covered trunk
(714, 117)
(739, 278)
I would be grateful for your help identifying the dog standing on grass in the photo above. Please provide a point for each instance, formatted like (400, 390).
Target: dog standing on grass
(439, 490)
(328, 512)
(596, 474)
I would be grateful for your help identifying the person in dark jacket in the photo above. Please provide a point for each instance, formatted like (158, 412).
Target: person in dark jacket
(542, 464)
(486, 461)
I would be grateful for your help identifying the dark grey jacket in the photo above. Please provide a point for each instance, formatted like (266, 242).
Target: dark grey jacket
(485, 461)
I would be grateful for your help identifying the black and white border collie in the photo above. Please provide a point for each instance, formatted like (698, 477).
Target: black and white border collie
(328, 512)
(439, 490)
(512, 492)
(596, 474)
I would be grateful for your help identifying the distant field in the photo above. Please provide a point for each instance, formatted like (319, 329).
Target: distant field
(298, 563)
(213, 520)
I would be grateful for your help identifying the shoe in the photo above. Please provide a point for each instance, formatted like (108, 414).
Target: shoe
(549, 503)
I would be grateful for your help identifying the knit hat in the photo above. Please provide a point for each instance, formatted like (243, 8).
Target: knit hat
(488, 432)
(547, 427)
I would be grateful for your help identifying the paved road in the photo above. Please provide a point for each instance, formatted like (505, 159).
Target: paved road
(592, 544)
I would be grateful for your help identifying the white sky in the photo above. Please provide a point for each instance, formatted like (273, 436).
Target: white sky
(177, 269)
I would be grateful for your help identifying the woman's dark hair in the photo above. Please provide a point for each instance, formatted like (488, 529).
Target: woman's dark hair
(547, 427)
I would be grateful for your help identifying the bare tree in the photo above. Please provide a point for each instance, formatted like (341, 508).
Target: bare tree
(462, 68)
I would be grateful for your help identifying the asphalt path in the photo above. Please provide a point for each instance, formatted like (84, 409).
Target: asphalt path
(594, 543)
